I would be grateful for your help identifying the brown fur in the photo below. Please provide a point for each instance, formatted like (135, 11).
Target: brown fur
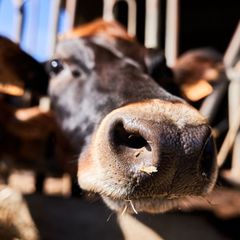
(99, 27)
(26, 132)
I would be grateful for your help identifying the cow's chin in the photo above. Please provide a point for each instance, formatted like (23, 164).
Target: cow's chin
(149, 205)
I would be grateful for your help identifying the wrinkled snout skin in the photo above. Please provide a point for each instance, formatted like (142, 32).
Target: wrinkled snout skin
(174, 139)
(137, 143)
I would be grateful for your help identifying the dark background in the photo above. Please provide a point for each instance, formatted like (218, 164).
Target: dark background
(203, 23)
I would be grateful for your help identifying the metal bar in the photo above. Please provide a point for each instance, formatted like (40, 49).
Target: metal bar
(234, 121)
(71, 10)
(220, 128)
(233, 100)
(54, 24)
(172, 29)
(234, 86)
(34, 26)
(132, 17)
(233, 48)
(18, 4)
(233, 104)
(211, 103)
(235, 168)
(233, 175)
(108, 6)
(108, 14)
(152, 24)
(229, 139)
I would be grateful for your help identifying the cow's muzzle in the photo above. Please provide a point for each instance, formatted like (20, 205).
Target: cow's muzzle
(150, 150)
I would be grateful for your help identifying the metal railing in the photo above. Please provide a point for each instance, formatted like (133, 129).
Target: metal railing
(108, 13)
(152, 24)
(18, 8)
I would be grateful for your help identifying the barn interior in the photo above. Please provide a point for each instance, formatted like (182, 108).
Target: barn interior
(39, 194)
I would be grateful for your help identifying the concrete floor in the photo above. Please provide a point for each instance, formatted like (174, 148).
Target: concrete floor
(216, 217)
(59, 218)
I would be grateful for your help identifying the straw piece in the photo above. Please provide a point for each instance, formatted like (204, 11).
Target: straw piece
(148, 169)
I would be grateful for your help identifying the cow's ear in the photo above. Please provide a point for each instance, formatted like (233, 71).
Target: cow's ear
(157, 68)
(155, 58)
(19, 71)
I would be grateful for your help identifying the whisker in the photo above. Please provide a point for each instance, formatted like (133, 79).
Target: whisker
(124, 210)
(133, 208)
(109, 217)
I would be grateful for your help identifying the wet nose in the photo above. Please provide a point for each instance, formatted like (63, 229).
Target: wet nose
(142, 145)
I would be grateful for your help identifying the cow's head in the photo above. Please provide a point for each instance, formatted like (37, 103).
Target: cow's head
(138, 144)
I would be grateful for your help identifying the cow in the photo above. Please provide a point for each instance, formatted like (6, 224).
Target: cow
(196, 70)
(19, 72)
(31, 139)
(140, 147)
(29, 135)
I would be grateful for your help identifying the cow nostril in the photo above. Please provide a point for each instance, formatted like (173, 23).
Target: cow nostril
(124, 137)
(207, 160)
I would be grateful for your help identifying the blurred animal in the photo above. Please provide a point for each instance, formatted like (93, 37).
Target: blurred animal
(15, 219)
(197, 72)
(29, 135)
(19, 72)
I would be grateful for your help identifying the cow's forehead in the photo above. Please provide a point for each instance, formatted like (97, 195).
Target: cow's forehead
(76, 50)
(113, 46)
(89, 50)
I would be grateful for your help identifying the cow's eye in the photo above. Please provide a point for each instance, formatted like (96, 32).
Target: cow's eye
(76, 73)
(55, 66)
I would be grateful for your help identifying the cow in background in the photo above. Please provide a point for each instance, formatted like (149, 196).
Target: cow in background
(29, 135)
(197, 72)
